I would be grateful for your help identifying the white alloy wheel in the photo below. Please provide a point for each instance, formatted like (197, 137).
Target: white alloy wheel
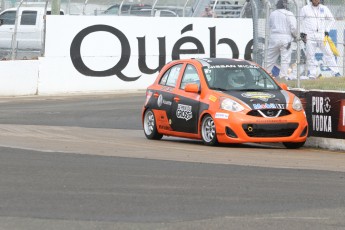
(208, 131)
(149, 125)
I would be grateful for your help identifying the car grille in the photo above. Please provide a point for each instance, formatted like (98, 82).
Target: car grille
(270, 130)
(269, 113)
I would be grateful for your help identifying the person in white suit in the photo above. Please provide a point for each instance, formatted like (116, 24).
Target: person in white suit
(317, 21)
(283, 30)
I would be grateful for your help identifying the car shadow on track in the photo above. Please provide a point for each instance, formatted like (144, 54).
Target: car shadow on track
(221, 145)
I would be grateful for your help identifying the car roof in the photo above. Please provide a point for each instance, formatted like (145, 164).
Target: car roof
(25, 8)
(132, 5)
(32, 8)
(223, 61)
(126, 8)
(147, 12)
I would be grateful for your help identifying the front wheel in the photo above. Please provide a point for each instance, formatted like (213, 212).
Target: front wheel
(293, 145)
(208, 131)
(150, 127)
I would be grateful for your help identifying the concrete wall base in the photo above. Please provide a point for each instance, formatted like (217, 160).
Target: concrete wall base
(326, 143)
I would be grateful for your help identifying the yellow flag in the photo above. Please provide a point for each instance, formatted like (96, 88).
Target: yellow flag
(331, 45)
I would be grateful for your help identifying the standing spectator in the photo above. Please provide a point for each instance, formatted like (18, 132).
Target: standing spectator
(283, 30)
(208, 12)
(246, 10)
(317, 20)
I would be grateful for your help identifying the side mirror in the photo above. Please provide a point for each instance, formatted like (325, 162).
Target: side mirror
(283, 86)
(192, 88)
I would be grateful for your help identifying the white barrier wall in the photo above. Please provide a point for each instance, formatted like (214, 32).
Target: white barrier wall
(18, 77)
(107, 53)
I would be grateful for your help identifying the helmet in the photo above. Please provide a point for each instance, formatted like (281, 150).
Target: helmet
(282, 4)
(237, 79)
(321, 1)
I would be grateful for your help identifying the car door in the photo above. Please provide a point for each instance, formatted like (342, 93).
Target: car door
(162, 96)
(29, 34)
(7, 28)
(184, 112)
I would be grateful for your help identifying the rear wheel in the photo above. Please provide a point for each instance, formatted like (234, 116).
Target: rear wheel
(150, 127)
(208, 131)
(293, 145)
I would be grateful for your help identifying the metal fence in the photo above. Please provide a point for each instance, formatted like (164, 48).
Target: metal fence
(99, 7)
(298, 69)
(222, 8)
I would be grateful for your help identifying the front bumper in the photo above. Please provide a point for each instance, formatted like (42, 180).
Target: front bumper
(242, 128)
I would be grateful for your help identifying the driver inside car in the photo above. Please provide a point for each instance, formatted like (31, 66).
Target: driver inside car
(236, 79)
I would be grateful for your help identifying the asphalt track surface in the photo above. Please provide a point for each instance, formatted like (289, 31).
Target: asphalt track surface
(83, 162)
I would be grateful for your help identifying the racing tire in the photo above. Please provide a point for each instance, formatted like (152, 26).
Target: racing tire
(293, 145)
(150, 127)
(208, 131)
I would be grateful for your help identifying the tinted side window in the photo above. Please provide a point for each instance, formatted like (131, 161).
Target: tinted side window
(140, 6)
(49, 12)
(8, 18)
(146, 13)
(28, 18)
(167, 14)
(164, 79)
(173, 75)
(113, 10)
(190, 75)
(170, 76)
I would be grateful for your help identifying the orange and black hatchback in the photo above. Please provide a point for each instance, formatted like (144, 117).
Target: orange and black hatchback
(221, 100)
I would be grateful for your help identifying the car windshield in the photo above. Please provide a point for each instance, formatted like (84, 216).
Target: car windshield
(238, 77)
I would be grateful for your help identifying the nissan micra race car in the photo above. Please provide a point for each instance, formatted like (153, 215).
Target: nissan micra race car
(221, 100)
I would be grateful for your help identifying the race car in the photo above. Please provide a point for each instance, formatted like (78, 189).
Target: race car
(220, 100)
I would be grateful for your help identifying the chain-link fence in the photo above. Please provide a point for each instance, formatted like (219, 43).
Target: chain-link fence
(100, 7)
(222, 8)
(306, 63)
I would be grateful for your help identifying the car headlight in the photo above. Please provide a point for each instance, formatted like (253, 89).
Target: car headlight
(230, 105)
(297, 104)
